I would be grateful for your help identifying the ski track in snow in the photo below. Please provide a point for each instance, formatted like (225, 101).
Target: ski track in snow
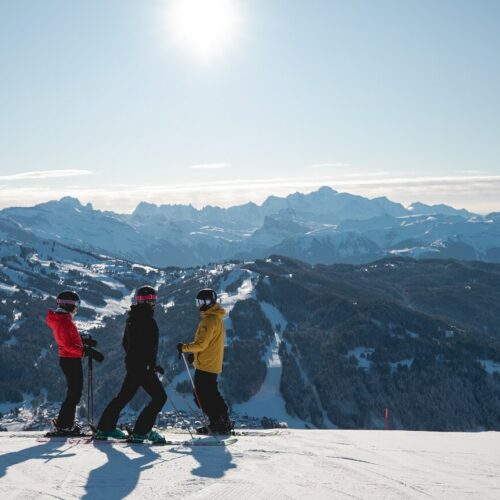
(303, 464)
(244, 292)
(269, 401)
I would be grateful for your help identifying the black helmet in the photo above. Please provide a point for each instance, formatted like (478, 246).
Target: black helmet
(146, 294)
(205, 299)
(68, 300)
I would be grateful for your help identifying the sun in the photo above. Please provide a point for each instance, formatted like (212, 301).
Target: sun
(205, 29)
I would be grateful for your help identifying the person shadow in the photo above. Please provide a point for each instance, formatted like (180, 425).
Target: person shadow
(48, 450)
(213, 461)
(120, 474)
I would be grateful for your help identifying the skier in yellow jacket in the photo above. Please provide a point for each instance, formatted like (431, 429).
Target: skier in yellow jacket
(208, 353)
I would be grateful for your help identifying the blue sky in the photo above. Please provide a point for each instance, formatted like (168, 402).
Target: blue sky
(372, 97)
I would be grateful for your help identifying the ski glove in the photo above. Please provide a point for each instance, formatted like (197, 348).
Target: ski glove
(88, 341)
(92, 353)
(179, 348)
(159, 369)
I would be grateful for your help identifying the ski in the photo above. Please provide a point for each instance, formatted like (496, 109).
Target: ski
(168, 442)
(239, 432)
(225, 440)
(65, 439)
(172, 442)
(257, 432)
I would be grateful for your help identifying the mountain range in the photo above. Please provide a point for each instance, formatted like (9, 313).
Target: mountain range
(314, 345)
(324, 227)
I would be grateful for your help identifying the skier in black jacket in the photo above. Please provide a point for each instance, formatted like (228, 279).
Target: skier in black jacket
(140, 342)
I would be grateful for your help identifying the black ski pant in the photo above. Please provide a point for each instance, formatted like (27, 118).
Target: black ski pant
(149, 381)
(72, 369)
(210, 400)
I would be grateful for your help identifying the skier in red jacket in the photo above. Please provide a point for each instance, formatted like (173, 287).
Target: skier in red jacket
(71, 352)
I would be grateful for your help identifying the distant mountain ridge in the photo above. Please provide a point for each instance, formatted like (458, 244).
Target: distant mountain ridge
(324, 226)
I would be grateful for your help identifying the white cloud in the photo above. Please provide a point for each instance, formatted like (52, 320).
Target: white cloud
(209, 166)
(44, 174)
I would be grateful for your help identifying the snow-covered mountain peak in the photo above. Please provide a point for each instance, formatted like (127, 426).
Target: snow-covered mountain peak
(164, 235)
(439, 209)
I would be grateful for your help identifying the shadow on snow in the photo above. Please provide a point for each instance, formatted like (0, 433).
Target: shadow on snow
(213, 461)
(119, 475)
(45, 451)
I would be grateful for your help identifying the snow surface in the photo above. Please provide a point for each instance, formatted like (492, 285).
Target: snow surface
(404, 362)
(490, 366)
(245, 290)
(306, 464)
(8, 289)
(361, 354)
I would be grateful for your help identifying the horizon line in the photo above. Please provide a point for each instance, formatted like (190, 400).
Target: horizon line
(304, 192)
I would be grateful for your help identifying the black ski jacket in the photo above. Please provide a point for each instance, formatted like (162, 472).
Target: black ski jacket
(140, 339)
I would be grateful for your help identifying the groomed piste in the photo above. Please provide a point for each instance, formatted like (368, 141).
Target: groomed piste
(300, 464)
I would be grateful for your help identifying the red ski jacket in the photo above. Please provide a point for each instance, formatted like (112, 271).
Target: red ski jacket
(66, 334)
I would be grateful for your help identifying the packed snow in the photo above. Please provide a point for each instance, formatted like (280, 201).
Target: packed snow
(362, 354)
(302, 464)
(8, 288)
(404, 362)
(245, 290)
(490, 366)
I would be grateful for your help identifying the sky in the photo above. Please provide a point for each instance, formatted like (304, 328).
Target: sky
(225, 101)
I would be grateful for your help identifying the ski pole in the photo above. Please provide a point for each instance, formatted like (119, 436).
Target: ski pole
(189, 374)
(179, 415)
(90, 394)
(205, 416)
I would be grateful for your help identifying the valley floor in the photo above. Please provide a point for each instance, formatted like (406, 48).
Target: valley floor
(302, 464)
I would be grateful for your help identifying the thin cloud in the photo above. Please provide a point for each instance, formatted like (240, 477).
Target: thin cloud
(210, 166)
(365, 174)
(476, 193)
(473, 172)
(337, 164)
(44, 174)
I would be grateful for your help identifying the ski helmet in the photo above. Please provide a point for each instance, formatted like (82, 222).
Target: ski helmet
(146, 294)
(205, 299)
(68, 300)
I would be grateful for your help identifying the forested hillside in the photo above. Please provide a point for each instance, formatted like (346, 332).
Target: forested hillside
(420, 337)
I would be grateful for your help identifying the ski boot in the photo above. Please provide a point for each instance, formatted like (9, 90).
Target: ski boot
(222, 426)
(114, 434)
(74, 431)
(153, 436)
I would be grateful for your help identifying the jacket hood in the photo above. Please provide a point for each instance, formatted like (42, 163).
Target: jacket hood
(142, 310)
(215, 310)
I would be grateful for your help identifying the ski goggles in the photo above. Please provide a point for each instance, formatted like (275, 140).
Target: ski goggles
(203, 302)
(68, 302)
(144, 298)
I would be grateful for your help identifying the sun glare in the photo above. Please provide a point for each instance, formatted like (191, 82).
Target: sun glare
(206, 29)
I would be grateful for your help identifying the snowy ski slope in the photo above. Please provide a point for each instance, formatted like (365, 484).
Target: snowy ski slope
(306, 464)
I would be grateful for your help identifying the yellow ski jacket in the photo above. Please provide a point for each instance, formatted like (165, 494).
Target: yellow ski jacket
(208, 344)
